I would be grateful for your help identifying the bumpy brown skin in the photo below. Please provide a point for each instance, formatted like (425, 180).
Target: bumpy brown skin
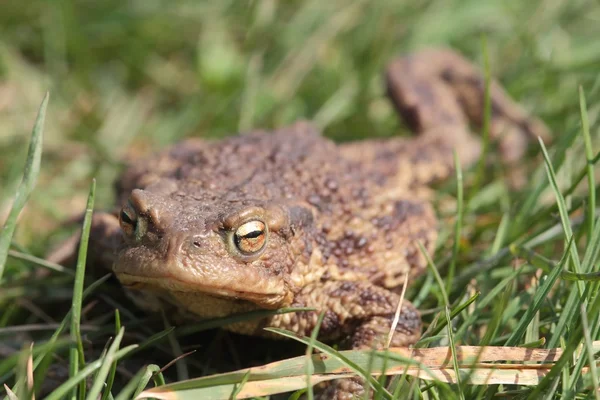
(343, 220)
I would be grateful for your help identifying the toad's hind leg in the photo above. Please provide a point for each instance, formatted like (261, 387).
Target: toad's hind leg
(440, 95)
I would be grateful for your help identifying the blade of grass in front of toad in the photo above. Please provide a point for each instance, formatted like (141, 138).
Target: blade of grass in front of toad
(42, 352)
(457, 224)
(151, 371)
(443, 322)
(574, 300)
(139, 382)
(107, 362)
(113, 370)
(538, 298)
(472, 319)
(589, 350)
(560, 367)
(459, 384)
(76, 354)
(589, 154)
(359, 370)
(435, 273)
(40, 262)
(63, 390)
(446, 306)
(571, 309)
(527, 209)
(30, 174)
(130, 388)
(309, 361)
(563, 211)
(589, 261)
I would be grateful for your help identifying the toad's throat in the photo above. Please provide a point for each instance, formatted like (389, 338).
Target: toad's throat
(265, 299)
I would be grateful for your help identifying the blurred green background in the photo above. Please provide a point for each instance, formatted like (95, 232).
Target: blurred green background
(129, 76)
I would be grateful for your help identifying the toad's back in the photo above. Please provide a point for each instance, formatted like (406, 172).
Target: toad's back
(293, 163)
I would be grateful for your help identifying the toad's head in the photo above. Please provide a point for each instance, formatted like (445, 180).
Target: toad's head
(233, 248)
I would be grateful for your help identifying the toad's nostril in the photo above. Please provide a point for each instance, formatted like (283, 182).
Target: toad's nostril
(198, 242)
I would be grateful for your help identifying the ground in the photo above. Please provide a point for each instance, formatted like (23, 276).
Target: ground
(126, 78)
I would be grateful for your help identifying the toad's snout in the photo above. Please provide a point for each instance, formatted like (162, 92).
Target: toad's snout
(184, 243)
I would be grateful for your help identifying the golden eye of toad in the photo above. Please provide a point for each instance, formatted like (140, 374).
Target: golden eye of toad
(250, 237)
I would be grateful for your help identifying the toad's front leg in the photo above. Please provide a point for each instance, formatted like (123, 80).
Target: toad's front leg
(358, 315)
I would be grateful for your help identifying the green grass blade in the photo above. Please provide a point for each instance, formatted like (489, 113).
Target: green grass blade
(40, 262)
(560, 367)
(238, 388)
(500, 234)
(589, 154)
(336, 355)
(457, 224)
(107, 363)
(42, 358)
(572, 276)
(499, 308)
(113, 369)
(309, 349)
(592, 250)
(436, 274)
(30, 175)
(538, 299)
(457, 310)
(485, 302)
(453, 351)
(563, 211)
(63, 390)
(151, 371)
(589, 350)
(128, 391)
(76, 355)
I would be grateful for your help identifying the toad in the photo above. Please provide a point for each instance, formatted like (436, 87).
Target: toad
(266, 220)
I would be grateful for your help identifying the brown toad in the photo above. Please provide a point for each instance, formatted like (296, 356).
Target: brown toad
(288, 218)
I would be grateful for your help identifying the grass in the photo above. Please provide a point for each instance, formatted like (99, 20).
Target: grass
(517, 266)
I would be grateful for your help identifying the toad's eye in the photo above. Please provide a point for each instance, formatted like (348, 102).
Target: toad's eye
(128, 220)
(250, 237)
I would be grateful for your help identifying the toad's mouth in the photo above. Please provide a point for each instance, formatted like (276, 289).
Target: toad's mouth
(272, 299)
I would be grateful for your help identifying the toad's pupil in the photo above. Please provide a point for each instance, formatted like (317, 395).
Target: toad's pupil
(248, 240)
(125, 218)
(252, 235)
